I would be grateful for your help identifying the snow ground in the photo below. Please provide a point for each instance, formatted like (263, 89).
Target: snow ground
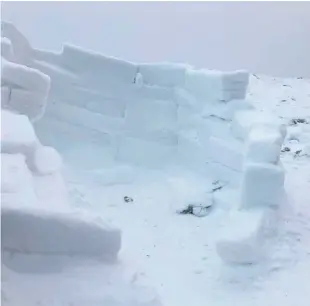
(176, 254)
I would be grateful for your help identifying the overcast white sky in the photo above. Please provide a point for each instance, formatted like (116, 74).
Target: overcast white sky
(263, 37)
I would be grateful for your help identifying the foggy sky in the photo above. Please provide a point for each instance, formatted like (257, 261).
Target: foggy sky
(264, 37)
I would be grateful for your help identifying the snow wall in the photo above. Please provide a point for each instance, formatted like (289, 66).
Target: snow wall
(149, 115)
(111, 111)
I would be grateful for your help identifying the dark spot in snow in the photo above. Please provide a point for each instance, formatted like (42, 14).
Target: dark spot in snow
(297, 152)
(299, 78)
(197, 210)
(283, 100)
(217, 188)
(293, 99)
(285, 85)
(286, 149)
(298, 120)
(128, 199)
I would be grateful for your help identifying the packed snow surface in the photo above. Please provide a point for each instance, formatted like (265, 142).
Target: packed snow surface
(134, 158)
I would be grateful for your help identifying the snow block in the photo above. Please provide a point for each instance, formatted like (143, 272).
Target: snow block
(5, 97)
(149, 115)
(17, 134)
(22, 51)
(35, 231)
(163, 74)
(221, 152)
(107, 106)
(215, 85)
(45, 161)
(191, 153)
(85, 62)
(262, 185)
(245, 120)
(81, 116)
(24, 77)
(6, 49)
(225, 110)
(28, 103)
(264, 145)
(47, 56)
(15, 175)
(242, 240)
(150, 92)
(144, 153)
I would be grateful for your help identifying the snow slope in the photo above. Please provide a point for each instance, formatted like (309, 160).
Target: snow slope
(174, 254)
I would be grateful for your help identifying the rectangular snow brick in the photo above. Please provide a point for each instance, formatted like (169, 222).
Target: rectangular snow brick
(47, 56)
(24, 77)
(35, 231)
(264, 145)
(219, 150)
(150, 115)
(262, 185)
(82, 116)
(31, 104)
(107, 106)
(5, 96)
(87, 62)
(163, 74)
(191, 153)
(17, 134)
(215, 85)
(144, 153)
(241, 241)
(15, 175)
(244, 120)
(6, 49)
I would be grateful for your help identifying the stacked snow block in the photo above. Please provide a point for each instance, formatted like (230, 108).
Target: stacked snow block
(163, 74)
(243, 120)
(18, 137)
(6, 49)
(21, 49)
(37, 231)
(24, 89)
(208, 85)
(97, 67)
(261, 191)
(31, 178)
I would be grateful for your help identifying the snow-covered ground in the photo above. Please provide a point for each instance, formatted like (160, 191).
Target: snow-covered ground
(166, 258)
